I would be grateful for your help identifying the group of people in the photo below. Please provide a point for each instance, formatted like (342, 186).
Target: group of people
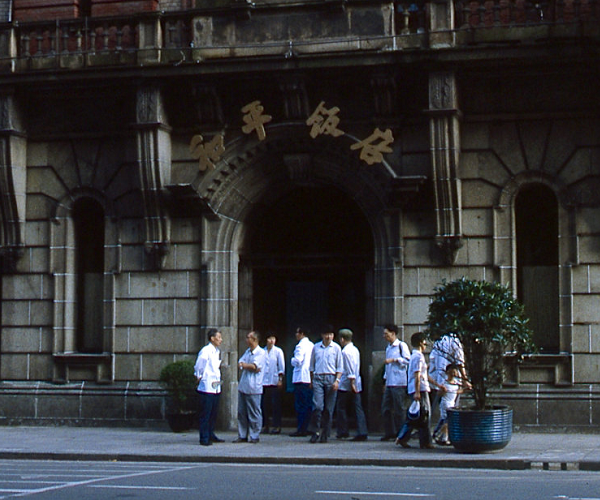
(323, 374)
(326, 378)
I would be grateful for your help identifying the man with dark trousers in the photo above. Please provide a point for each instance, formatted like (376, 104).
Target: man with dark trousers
(208, 373)
(350, 389)
(301, 382)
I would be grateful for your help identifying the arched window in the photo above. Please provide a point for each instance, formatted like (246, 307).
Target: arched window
(88, 223)
(536, 215)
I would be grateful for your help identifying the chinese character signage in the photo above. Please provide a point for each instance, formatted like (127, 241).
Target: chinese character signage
(323, 121)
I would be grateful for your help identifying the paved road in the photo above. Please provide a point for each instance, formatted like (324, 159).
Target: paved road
(46, 480)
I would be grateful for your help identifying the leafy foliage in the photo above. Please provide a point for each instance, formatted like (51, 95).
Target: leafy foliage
(179, 380)
(488, 321)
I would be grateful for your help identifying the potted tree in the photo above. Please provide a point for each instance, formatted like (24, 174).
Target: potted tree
(489, 322)
(180, 382)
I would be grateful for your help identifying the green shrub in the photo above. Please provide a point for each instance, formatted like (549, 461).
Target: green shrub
(488, 321)
(179, 380)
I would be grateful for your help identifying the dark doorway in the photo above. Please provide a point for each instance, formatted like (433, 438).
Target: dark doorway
(311, 255)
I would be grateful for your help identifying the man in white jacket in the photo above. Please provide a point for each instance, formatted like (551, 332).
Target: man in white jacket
(208, 373)
(350, 388)
(301, 382)
(272, 386)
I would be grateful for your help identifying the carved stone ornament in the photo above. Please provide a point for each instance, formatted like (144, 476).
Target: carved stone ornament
(150, 106)
(442, 91)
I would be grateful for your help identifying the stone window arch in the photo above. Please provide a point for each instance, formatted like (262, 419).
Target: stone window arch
(84, 257)
(518, 257)
(536, 234)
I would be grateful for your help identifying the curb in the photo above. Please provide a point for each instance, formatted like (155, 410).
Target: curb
(493, 464)
(499, 464)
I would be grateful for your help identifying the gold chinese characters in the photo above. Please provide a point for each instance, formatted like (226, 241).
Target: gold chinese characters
(322, 121)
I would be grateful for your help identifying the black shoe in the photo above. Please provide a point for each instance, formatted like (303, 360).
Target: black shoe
(387, 438)
(362, 437)
(298, 434)
(254, 440)
(205, 444)
(403, 442)
(276, 430)
(323, 438)
(240, 440)
(314, 438)
(215, 439)
(343, 436)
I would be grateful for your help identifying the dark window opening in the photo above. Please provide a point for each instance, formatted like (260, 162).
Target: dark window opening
(85, 8)
(536, 214)
(88, 218)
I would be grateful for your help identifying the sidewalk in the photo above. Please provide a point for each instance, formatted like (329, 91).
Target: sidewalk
(525, 451)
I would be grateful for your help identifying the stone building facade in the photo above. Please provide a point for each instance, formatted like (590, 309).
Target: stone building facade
(168, 167)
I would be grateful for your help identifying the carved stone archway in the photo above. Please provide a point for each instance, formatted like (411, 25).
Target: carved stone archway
(254, 173)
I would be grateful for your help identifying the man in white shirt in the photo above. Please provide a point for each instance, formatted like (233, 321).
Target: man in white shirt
(250, 388)
(448, 350)
(325, 372)
(350, 388)
(272, 385)
(301, 382)
(395, 399)
(208, 373)
(419, 382)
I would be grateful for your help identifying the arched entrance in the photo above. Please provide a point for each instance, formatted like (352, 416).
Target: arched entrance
(297, 231)
(311, 258)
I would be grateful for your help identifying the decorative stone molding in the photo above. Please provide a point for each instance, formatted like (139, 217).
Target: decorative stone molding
(295, 98)
(13, 150)
(445, 154)
(385, 95)
(208, 106)
(154, 161)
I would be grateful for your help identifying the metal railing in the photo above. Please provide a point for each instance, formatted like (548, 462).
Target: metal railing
(25, 46)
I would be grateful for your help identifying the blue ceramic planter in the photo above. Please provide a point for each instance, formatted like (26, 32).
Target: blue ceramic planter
(478, 431)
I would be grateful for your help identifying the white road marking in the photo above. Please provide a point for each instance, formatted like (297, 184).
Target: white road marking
(375, 493)
(73, 484)
(564, 497)
(121, 487)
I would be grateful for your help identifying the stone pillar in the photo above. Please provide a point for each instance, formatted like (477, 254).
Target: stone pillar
(13, 149)
(441, 24)
(444, 135)
(154, 161)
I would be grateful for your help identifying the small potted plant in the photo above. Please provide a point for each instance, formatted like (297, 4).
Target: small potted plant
(180, 382)
(489, 322)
